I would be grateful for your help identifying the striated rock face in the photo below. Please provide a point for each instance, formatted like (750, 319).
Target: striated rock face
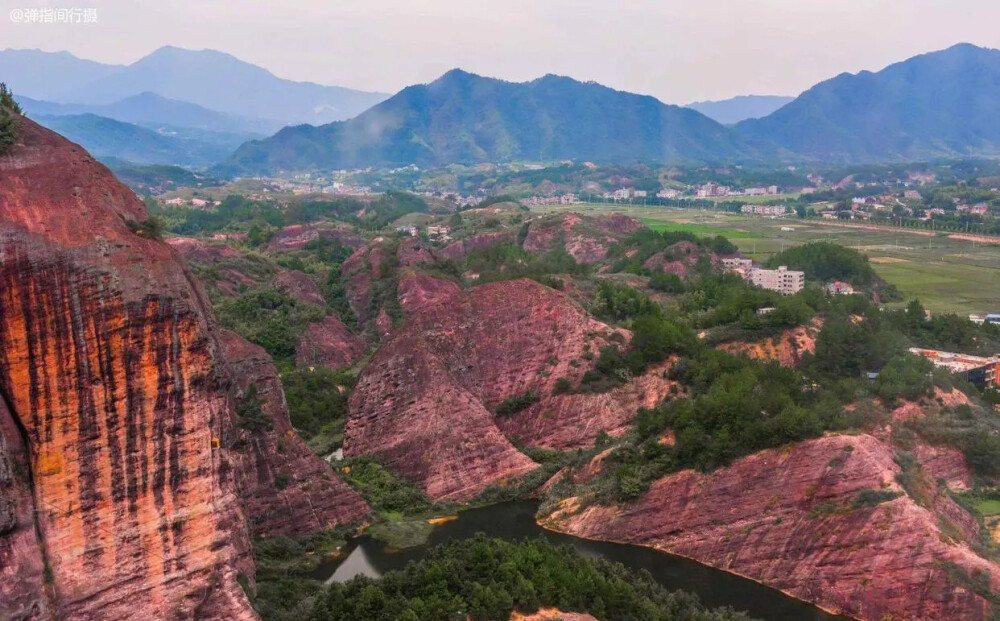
(424, 403)
(571, 421)
(286, 489)
(359, 271)
(586, 238)
(300, 286)
(109, 370)
(788, 518)
(21, 564)
(330, 344)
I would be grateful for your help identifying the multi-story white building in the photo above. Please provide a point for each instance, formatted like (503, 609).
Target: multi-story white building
(781, 280)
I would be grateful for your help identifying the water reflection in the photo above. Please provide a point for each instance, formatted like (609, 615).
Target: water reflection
(512, 521)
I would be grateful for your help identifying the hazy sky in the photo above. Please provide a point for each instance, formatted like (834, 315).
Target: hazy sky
(677, 50)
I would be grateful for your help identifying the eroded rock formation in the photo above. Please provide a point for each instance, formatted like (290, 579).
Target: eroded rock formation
(122, 493)
(425, 403)
(285, 488)
(805, 520)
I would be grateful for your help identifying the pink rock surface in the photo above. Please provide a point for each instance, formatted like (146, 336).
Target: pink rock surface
(330, 344)
(785, 517)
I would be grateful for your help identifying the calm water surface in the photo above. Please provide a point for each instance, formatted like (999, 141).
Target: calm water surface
(516, 520)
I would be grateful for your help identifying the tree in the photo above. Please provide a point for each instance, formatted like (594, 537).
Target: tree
(9, 110)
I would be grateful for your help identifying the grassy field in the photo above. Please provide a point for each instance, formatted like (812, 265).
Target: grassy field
(988, 507)
(947, 275)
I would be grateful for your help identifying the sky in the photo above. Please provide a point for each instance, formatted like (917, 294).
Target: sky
(677, 50)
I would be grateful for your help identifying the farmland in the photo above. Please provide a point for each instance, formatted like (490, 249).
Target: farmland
(947, 275)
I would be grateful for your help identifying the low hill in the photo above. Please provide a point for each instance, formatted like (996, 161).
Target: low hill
(107, 138)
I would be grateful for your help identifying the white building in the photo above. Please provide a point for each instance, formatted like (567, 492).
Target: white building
(781, 280)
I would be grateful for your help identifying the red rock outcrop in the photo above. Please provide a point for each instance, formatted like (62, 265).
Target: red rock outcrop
(787, 349)
(586, 238)
(108, 366)
(424, 402)
(296, 236)
(413, 252)
(330, 344)
(791, 518)
(286, 489)
(462, 247)
(22, 578)
(300, 286)
(359, 271)
(199, 251)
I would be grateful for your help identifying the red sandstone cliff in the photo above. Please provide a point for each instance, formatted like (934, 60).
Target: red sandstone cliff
(117, 419)
(285, 488)
(425, 402)
(108, 365)
(788, 518)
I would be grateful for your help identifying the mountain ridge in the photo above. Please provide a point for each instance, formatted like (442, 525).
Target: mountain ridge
(464, 117)
(209, 78)
(937, 104)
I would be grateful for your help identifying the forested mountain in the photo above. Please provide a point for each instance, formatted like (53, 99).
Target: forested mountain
(107, 138)
(462, 117)
(939, 104)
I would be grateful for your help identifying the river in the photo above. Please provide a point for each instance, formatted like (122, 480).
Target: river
(516, 520)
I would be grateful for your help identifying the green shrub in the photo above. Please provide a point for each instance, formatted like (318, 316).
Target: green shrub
(9, 110)
(513, 405)
(872, 498)
(250, 410)
(563, 385)
(317, 400)
(270, 318)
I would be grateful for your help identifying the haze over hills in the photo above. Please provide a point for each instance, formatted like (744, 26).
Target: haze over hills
(109, 139)
(462, 117)
(736, 109)
(151, 110)
(934, 105)
(208, 78)
(44, 75)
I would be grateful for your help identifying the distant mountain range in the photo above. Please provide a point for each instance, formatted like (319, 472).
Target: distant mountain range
(175, 106)
(731, 111)
(152, 111)
(208, 78)
(942, 104)
(183, 107)
(462, 117)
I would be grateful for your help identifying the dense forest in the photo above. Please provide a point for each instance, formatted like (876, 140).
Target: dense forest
(487, 579)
